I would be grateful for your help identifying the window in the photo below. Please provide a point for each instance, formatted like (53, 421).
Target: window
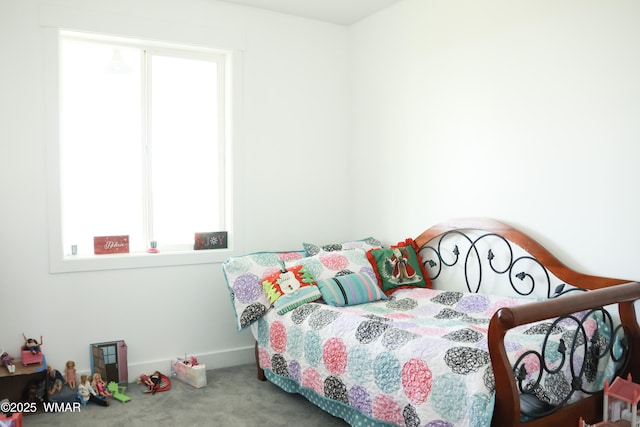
(143, 145)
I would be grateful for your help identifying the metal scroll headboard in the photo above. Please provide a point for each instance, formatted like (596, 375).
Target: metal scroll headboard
(489, 263)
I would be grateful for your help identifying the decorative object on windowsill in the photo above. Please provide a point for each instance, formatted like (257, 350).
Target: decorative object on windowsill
(104, 245)
(74, 250)
(154, 247)
(210, 240)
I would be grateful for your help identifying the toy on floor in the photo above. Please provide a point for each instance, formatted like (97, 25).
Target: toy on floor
(100, 386)
(7, 362)
(155, 382)
(620, 404)
(146, 380)
(190, 371)
(118, 392)
(88, 394)
(156, 379)
(70, 374)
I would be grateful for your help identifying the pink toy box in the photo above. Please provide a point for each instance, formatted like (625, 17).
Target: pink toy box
(29, 358)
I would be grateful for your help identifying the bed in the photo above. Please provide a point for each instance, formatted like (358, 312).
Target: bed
(500, 332)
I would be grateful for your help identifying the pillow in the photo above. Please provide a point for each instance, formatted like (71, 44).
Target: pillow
(365, 244)
(326, 265)
(350, 289)
(290, 288)
(244, 275)
(399, 267)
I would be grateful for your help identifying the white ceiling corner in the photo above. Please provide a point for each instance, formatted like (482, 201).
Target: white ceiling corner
(341, 12)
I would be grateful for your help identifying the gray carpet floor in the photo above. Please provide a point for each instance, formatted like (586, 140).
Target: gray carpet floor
(233, 397)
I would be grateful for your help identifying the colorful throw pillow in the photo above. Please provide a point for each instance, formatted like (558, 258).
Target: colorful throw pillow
(364, 244)
(244, 275)
(399, 267)
(290, 288)
(350, 289)
(325, 265)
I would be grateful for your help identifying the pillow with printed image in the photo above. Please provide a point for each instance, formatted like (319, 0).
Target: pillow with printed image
(399, 267)
(290, 288)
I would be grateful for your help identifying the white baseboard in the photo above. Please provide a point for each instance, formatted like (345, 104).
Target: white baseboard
(214, 360)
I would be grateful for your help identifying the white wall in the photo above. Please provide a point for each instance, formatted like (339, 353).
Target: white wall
(527, 112)
(294, 122)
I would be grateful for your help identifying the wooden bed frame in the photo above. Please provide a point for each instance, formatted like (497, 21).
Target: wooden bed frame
(602, 291)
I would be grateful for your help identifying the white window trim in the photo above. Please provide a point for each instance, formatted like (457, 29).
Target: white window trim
(55, 18)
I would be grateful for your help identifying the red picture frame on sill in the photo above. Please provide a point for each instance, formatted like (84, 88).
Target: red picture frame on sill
(104, 245)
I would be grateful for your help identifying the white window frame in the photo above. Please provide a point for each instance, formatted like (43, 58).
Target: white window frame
(53, 21)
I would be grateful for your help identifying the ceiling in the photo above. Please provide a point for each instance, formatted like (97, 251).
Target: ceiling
(341, 12)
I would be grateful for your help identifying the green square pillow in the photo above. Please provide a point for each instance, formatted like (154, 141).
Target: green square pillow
(350, 289)
(290, 288)
(399, 267)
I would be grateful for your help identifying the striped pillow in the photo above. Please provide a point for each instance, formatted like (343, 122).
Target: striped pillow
(350, 289)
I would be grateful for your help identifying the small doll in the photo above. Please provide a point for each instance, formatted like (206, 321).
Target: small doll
(156, 379)
(7, 362)
(32, 345)
(70, 374)
(88, 394)
(54, 380)
(100, 386)
(146, 380)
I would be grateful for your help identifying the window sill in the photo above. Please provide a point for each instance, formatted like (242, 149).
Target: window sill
(70, 264)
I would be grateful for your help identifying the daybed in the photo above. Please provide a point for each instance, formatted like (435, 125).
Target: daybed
(499, 333)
